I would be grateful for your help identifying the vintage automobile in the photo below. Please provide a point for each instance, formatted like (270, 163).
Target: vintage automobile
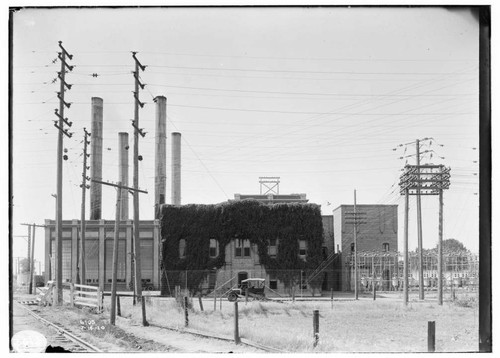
(253, 287)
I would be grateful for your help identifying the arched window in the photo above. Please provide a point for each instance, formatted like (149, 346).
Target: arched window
(182, 248)
(214, 248)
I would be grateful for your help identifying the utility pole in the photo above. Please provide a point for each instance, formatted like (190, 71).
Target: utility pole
(31, 254)
(137, 131)
(84, 187)
(426, 179)
(115, 253)
(119, 187)
(355, 249)
(440, 250)
(32, 261)
(355, 218)
(405, 249)
(58, 297)
(419, 231)
(419, 213)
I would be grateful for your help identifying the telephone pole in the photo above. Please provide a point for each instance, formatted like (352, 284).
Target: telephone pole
(137, 131)
(426, 179)
(84, 187)
(355, 217)
(32, 261)
(58, 297)
(119, 188)
(355, 250)
(419, 232)
(405, 248)
(115, 253)
(419, 214)
(31, 254)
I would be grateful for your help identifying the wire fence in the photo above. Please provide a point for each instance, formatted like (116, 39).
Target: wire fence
(382, 271)
(386, 271)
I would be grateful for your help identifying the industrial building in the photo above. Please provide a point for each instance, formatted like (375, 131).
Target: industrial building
(376, 238)
(242, 259)
(99, 235)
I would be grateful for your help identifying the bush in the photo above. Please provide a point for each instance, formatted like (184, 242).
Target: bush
(466, 301)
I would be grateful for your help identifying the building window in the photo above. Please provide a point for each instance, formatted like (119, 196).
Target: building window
(352, 247)
(242, 248)
(302, 248)
(214, 248)
(182, 248)
(272, 250)
(385, 246)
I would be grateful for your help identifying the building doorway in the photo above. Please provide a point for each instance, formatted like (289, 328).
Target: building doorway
(242, 276)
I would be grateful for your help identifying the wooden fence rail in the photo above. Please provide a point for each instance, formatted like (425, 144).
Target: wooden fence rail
(82, 295)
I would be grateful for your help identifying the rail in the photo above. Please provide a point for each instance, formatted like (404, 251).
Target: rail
(63, 331)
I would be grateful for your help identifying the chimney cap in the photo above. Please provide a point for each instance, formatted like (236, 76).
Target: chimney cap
(159, 97)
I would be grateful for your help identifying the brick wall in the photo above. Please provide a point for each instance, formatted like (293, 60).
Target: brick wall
(378, 227)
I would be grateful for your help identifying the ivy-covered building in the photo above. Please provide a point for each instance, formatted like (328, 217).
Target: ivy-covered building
(207, 246)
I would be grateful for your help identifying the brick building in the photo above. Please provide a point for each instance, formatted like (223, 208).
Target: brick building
(99, 235)
(377, 236)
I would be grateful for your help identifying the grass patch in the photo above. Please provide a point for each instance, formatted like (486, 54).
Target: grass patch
(346, 326)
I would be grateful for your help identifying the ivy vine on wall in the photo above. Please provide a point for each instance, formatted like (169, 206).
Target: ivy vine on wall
(249, 220)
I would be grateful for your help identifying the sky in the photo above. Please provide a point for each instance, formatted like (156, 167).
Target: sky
(329, 99)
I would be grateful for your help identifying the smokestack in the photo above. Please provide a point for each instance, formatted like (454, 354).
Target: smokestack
(160, 151)
(176, 169)
(123, 171)
(96, 158)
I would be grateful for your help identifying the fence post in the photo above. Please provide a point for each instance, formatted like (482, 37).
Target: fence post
(316, 327)
(201, 302)
(431, 336)
(71, 294)
(99, 300)
(236, 328)
(331, 298)
(374, 292)
(143, 306)
(118, 306)
(186, 319)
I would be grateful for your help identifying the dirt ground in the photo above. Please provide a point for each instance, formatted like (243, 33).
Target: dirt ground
(126, 335)
(384, 325)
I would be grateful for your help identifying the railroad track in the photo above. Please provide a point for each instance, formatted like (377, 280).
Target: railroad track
(69, 340)
(221, 338)
(65, 337)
